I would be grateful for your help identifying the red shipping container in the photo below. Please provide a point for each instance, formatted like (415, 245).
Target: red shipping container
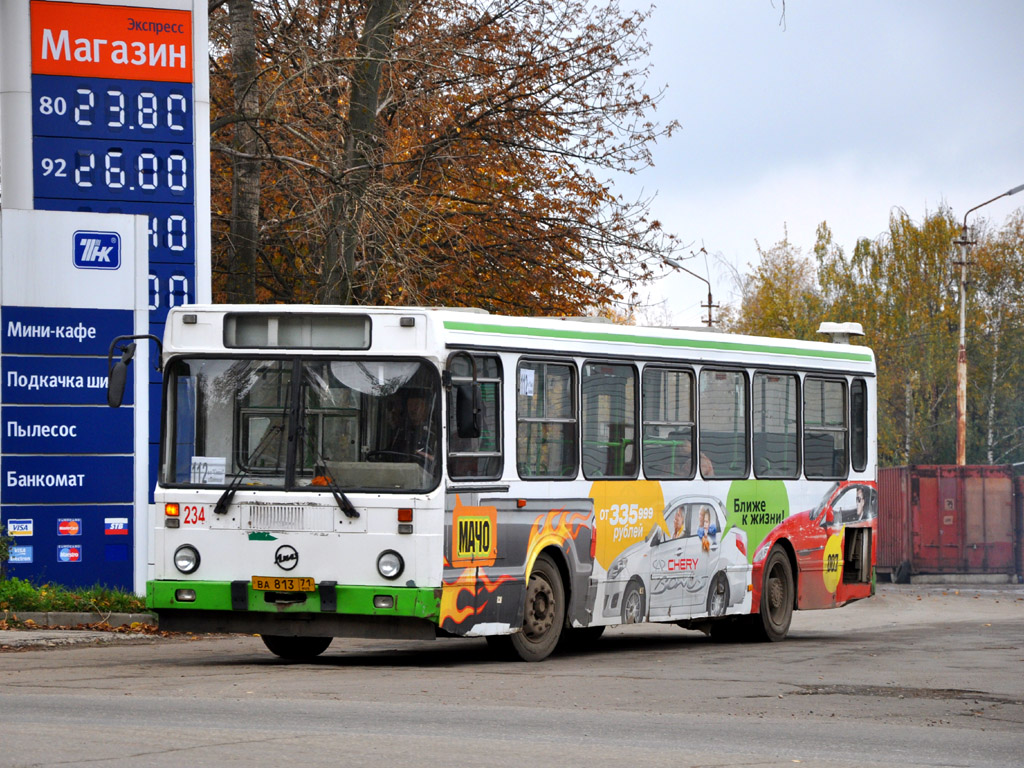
(947, 519)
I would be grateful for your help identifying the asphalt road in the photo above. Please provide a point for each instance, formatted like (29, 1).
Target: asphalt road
(917, 676)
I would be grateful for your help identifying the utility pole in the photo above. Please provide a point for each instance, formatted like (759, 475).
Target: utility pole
(710, 321)
(965, 244)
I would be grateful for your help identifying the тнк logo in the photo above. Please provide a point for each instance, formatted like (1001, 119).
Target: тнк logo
(97, 250)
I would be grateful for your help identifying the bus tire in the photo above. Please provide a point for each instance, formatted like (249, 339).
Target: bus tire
(633, 603)
(718, 595)
(776, 609)
(543, 612)
(296, 648)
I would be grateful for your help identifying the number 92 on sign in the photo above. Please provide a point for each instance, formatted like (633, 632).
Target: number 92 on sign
(98, 170)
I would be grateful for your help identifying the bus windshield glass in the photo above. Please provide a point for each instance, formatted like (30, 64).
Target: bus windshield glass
(291, 423)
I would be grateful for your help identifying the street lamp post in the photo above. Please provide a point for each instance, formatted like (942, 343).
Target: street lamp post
(961, 356)
(673, 263)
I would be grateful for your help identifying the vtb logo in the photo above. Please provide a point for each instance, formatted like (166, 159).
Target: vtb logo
(97, 250)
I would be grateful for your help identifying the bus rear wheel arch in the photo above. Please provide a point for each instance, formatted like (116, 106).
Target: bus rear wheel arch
(777, 596)
(771, 623)
(544, 611)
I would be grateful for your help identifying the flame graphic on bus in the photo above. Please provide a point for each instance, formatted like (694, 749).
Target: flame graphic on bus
(469, 584)
(556, 529)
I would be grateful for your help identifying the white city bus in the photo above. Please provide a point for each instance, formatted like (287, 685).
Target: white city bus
(413, 473)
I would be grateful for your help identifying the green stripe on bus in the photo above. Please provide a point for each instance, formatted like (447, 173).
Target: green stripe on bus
(420, 603)
(725, 346)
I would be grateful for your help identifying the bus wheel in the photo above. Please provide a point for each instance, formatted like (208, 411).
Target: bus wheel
(544, 612)
(718, 595)
(776, 597)
(633, 603)
(296, 648)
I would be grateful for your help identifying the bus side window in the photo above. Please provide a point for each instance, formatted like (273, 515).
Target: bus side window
(609, 420)
(859, 424)
(722, 420)
(668, 423)
(476, 457)
(546, 435)
(776, 435)
(825, 428)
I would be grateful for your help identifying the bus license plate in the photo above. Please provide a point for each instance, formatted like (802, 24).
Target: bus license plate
(283, 583)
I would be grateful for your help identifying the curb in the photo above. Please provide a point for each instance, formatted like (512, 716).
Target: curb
(69, 619)
(971, 579)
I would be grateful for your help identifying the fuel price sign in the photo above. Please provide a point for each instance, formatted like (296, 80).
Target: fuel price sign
(113, 128)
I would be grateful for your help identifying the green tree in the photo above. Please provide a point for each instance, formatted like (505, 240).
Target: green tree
(903, 287)
(907, 297)
(995, 345)
(780, 297)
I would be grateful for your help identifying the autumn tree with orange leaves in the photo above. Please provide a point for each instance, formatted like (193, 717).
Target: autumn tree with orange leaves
(451, 152)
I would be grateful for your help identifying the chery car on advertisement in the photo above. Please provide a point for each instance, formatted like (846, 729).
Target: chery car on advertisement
(689, 568)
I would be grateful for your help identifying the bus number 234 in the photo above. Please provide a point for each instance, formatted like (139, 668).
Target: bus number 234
(194, 515)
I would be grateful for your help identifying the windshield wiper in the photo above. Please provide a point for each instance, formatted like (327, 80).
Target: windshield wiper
(340, 498)
(221, 507)
(344, 504)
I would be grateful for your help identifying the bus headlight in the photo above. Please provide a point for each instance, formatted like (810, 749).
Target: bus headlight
(186, 558)
(390, 564)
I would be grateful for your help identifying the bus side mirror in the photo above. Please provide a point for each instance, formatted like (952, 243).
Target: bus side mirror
(117, 376)
(117, 373)
(467, 410)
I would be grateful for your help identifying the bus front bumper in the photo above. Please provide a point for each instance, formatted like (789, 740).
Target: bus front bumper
(330, 610)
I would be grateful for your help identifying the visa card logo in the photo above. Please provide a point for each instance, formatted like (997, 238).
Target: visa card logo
(97, 250)
(19, 555)
(115, 526)
(69, 554)
(19, 527)
(69, 526)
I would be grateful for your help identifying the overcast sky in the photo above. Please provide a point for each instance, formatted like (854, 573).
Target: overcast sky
(844, 112)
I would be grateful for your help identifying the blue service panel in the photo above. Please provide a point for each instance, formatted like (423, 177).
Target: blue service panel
(63, 330)
(67, 479)
(58, 381)
(76, 545)
(70, 429)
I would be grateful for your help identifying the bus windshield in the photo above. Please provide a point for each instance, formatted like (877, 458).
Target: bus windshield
(291, 423)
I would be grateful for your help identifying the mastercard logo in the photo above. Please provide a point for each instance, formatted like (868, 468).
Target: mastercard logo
(69, 527)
